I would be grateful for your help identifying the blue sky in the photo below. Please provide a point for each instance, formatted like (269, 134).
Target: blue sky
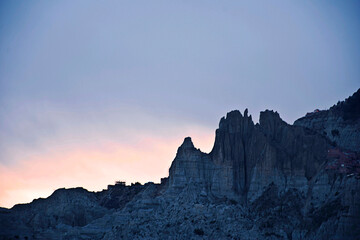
(76, 73)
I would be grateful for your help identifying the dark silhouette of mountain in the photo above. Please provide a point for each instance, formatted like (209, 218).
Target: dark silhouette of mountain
(350, 108)
(269, 180)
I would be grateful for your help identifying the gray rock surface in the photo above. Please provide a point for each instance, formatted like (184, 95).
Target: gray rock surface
(269, 180)
(247, 157)
(341, 123)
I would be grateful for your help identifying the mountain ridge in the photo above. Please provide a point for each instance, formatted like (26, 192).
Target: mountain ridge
(268, 180)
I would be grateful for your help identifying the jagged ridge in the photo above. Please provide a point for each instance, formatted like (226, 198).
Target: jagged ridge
(260, 181)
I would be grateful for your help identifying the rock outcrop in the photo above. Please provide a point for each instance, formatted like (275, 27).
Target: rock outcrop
(341, 123)
(269, 180)
(63, 209)
(247, 157)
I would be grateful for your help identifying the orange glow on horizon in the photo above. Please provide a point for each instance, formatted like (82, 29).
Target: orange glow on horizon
(91, 166)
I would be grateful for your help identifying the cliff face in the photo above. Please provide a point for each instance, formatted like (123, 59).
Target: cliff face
(269, 180)
(234, 148)
(247, 157)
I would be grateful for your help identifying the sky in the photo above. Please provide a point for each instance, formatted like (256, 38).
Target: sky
(97, 91)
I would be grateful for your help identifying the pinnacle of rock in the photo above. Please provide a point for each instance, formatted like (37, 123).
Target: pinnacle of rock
(187, 143)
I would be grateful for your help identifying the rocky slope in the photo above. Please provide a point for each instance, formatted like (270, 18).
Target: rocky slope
(269, 180)
(341, 123)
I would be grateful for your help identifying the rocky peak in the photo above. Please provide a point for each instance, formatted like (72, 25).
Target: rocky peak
(349, 109)
(231, 148)
(235, 122)
(233, 132)
(270, 118)
(187, 144)
(187, 166)
(186, 148)
(271, 123)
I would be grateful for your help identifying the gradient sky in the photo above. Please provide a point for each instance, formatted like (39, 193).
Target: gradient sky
(97, 91)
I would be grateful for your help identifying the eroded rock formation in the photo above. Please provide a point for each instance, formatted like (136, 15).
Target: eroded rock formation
(247, 157)
(269, 180)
